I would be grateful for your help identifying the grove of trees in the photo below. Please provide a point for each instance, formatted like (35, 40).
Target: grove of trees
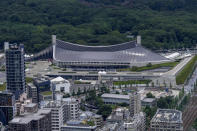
(161, 23)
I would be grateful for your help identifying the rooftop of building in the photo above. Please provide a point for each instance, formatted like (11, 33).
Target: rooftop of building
(149, 100)
(118, 96)
(52, 104)
(79, 124)
(167, 115)
(59, 79)
(88, 114)
(109, 126)
(31, 85)
(30, 105)
(28, 117)
(5, 92)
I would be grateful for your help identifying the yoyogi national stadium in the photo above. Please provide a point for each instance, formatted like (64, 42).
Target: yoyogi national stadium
(117, 56)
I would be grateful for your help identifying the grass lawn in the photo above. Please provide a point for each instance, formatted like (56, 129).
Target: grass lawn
(150, 67)
(187, 70)
(81, 82)
(29, 79)
(46, 93)
(131, 82)
(3, 87)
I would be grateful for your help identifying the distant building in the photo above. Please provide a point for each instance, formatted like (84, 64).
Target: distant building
(15, 68)
(115, 99)
(7, 107)
(32, 121)
(138, 123)
(76, 125)
(33, 92)
(149, 102)
(135, 104)
(167, 120)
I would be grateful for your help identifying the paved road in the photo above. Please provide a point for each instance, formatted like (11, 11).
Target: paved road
(177, 68)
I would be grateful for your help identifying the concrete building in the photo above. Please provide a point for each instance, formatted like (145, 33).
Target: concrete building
(76, 125)
(72, 108)
(15, 68)
(167, 120)
(119, 115)
(135, 103)
(57, 114)
(33, 92)
(7, 107)
(35, 120)
(138, 123)
(115, 98)
(60, 84)
(21, 102)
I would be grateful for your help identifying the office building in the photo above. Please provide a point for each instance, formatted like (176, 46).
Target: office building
(57, 114)
(15, 68)
(7, 107)
(71, 108)
(167, 120)
(135, 103)
(32, 120)
(33, 92)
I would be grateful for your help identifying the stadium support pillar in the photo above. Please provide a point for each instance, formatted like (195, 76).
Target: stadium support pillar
(54, 39)
(139, 40)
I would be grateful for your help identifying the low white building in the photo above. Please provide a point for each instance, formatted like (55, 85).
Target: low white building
(115, 98)
(60, 84)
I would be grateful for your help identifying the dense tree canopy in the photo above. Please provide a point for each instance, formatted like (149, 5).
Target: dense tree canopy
(162, 23)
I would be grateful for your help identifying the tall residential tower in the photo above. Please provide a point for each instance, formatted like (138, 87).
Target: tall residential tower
(15, 68)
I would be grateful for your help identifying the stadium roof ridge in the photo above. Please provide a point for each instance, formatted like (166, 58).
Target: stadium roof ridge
(111, 48)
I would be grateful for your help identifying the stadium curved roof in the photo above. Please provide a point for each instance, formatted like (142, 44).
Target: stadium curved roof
(129, 52)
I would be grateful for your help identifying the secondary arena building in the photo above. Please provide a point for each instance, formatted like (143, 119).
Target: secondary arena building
(82, 57)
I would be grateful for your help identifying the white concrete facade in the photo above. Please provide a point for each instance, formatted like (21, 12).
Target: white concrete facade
(60, 84)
